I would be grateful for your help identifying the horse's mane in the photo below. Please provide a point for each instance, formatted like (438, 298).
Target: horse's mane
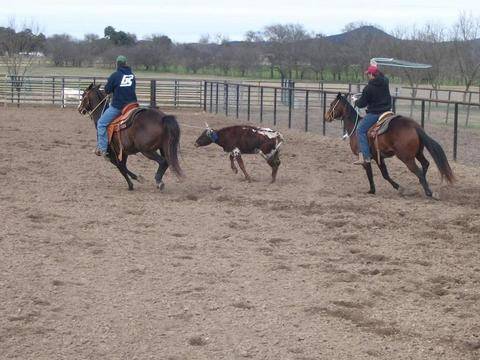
(100, 93)
(351, 112)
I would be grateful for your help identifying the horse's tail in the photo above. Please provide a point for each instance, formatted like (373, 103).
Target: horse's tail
(438, 155)
(171, 144)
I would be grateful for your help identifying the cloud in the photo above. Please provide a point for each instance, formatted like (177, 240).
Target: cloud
(186, 20)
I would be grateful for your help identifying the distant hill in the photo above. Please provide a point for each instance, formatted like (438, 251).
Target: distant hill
(361, 34)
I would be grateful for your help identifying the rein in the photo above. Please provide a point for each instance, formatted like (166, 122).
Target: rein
(104, 100)
(347, 135)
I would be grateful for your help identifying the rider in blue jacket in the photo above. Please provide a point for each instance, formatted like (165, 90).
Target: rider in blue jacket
(122, 85)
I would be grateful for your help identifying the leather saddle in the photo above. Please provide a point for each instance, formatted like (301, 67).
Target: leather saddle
(124, 120)
(121, 122)
(382, 125)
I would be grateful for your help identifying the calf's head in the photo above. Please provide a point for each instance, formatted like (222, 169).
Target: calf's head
(207, 137)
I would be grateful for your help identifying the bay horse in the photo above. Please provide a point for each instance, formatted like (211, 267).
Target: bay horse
(152, 133)
(405, 138)
(245, 139)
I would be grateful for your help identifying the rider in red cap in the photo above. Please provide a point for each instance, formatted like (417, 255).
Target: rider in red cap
(376, 98)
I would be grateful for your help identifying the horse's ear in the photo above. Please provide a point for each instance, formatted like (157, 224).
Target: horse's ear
(206, 126)
(97, 86)
(90, 86)
(339, 95)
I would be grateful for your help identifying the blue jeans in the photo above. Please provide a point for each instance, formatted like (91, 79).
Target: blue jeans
(368, 121)
(107, 117)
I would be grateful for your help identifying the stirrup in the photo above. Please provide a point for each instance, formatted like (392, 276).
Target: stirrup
(361, 160)
(100, 152)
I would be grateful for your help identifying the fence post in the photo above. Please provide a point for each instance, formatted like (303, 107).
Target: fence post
(324, 108)
(11, 88)
(289, 107)
(211, 96)
(175, 93)
(205, 89)
(468, 108)
(423, 114)
(238, 98)
(226, 99)
(275, 107)
(430, 105)
(261, 104)
(248, 103)
(63, 92)
(455, 132)
(53, 90)
(153, 93)
(448, 105)
(394, 104)
(306, 110)
(216, 98)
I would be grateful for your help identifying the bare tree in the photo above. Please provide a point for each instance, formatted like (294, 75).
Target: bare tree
(464, 33)
(429, 42)
(19, 47)
(286, 47)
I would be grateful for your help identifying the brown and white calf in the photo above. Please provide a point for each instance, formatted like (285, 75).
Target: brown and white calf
(244, 139)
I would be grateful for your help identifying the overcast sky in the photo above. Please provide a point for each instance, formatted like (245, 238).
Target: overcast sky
(186, 20)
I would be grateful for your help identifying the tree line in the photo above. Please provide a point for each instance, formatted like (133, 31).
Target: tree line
(287, 51)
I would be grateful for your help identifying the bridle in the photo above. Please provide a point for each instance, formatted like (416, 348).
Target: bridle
(90, 112)
(346, 135)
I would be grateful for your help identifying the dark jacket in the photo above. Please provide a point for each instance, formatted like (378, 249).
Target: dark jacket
(376, 96)
(122, 84)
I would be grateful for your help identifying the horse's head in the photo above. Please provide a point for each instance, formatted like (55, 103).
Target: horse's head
(91, 97)
(207, 137)
(338, 108)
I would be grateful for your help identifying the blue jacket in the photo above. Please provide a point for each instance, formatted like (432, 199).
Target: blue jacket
(122, 84)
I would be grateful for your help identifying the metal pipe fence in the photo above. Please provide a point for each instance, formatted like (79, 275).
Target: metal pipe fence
(304, 110)
(456, 124)
(67, 90)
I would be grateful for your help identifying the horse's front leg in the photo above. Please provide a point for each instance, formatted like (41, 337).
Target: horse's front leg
(385, 174)
(132, 175)
(122, 168)
(368, 168)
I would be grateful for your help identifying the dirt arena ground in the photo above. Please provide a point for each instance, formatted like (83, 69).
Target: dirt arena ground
(217, 268)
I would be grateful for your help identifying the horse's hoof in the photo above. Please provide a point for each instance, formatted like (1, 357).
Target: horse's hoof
(371, 192)
(403, 191)
(140, 179)
(130, 188)
(435, 196)
(235, 171)
(161, 186)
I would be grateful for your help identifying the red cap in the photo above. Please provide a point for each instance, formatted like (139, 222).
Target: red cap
(372, 69)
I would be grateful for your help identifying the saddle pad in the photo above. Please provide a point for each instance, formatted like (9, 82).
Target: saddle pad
(124, 120)
(382, 125)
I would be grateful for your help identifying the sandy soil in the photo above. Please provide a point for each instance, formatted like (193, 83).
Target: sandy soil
(217, 268)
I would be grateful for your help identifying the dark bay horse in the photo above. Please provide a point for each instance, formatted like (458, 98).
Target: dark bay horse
(152, 133)
(405, 139)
